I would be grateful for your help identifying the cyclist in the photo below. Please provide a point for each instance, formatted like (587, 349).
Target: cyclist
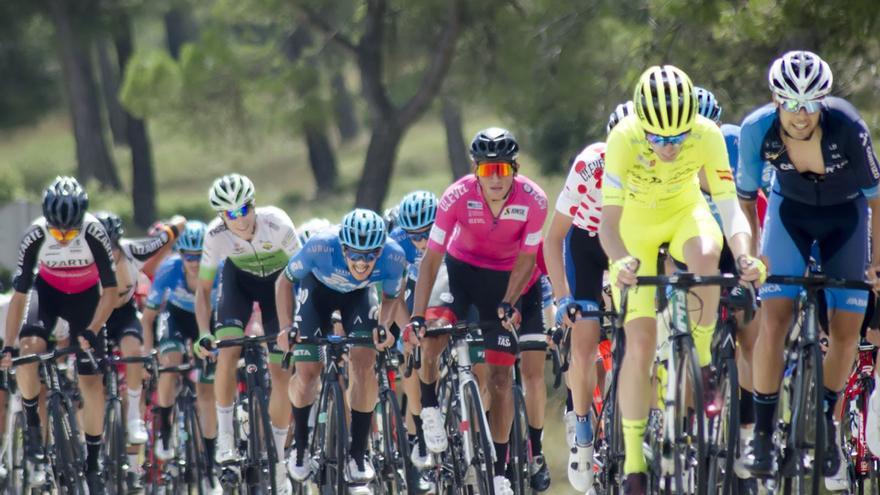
(335, 271)
(576, 260)
(124, 326)
(68, 250)
(255, 244)
(491, 223)
(826, 179)
(414, 216)
(650, 197)
(174, 287)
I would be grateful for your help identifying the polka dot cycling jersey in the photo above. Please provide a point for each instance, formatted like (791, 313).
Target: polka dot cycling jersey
(581, 196)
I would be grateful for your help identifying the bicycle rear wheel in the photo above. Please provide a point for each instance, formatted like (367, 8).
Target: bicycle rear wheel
(689, 445)
(479, 439)
(724, 432)
(519, 452)
(115, 456)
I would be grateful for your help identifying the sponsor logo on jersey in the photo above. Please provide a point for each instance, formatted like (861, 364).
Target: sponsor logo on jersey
(786, 166)
(267, 246)
(533, 239)
(537, 195)
(474, 205)
(438, 235)
(515, 212)
(725, 175)
(68, 263)
(452, 195)
(475, 221)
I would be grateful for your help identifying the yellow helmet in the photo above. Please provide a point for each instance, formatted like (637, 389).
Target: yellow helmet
(665, 101)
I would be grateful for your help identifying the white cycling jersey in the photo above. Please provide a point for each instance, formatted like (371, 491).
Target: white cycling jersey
(581, 197)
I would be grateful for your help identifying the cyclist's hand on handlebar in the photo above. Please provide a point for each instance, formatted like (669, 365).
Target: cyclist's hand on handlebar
(204, 346)
(414, 332)
(873, 274)
(8, 353)
(88, 340)
(566, 311)
(509, 316)
(751, 269)
(284, 340)
(382, 339)
(626, 268)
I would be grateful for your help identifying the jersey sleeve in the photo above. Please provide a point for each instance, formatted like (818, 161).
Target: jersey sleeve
(393, 280)
(863, 159)
(301, 263)
(569, 198)
(618, 157)
(97, 240)
(161, 284)
(27, 258)
(289, 240)
(535, 223)
(751, 165)
(141, 250)
(446, 218)
(718, 172)
(210, 255)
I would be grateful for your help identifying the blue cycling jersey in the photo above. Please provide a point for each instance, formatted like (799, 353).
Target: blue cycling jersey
(322, 256)
(412, 253)
(731, 139)
(170, 283)
(851, 168)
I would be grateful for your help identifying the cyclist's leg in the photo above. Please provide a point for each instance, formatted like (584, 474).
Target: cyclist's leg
(359, 310)
(786, 247)
(33, 338)
(698, 241)
(124, 327)
(312, 315)
(234, 309)
(171, 349)
(501, 350)
(533, 343)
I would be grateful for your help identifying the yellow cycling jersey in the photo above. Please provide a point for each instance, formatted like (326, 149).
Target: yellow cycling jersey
(635, 176)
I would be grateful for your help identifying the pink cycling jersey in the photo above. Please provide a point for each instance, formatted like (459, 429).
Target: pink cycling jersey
(581, 197)
(466, 228)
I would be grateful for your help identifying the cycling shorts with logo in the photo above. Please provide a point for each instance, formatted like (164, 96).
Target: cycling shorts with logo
(124, 321)
(316, 303)
(585, 262)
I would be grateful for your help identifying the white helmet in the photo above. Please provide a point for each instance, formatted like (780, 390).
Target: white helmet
(800, 75)
(312, 227)
(230, 192)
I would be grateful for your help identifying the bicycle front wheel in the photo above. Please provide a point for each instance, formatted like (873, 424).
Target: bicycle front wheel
(724, 432)
(261, 447)
(520, 454)
(195, 469)
(115, 456)
(397, 472)
(808, 422)
(478, 436)
(689, 445)
(68, 456)
(330, 441)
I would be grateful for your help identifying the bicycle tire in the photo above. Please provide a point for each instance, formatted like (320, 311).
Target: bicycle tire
(482, 460)
(724, 432)
(261, 446)
(196, 465)
(518, 451)
(396, 446)
(16, 477)
(115, 455)
(69, 459)
(690, 465)
(808, 414)
(450, 472)
(331, 440)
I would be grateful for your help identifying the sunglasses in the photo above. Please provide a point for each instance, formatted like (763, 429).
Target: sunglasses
(664, 140)
(367, 257)
(191, 255)
(793, 105)
(420, 235)
(239, 213)
(501, 169)
(63, 235)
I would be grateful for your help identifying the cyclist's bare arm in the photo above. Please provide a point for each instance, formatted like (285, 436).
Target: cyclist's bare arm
(284, 301)
(553, 257)
(203, 304)
(609, 233)
(427, 276)
(519, 276)
(106, 304)
(148, 318)
(14, 315)
(750, 209)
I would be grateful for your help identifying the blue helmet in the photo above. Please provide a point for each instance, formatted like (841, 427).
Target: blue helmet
(707, 104)
(417, 210)
(363, 230)
(192, 237)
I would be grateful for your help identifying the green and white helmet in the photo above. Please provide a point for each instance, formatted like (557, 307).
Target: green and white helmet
(230, 192)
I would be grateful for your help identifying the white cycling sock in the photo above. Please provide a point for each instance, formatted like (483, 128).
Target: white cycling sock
(280, 435)
(133, 464)
(134, 405)
(224, 420)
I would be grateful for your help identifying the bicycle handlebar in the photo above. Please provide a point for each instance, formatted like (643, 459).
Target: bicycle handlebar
(43, 357)
(818, 281)
(688, 280)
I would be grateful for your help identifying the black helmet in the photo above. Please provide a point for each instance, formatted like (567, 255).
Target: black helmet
(112, 225)
(494, 143)
(65, 203)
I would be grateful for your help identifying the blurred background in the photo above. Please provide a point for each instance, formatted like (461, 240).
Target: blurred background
(328, 104)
